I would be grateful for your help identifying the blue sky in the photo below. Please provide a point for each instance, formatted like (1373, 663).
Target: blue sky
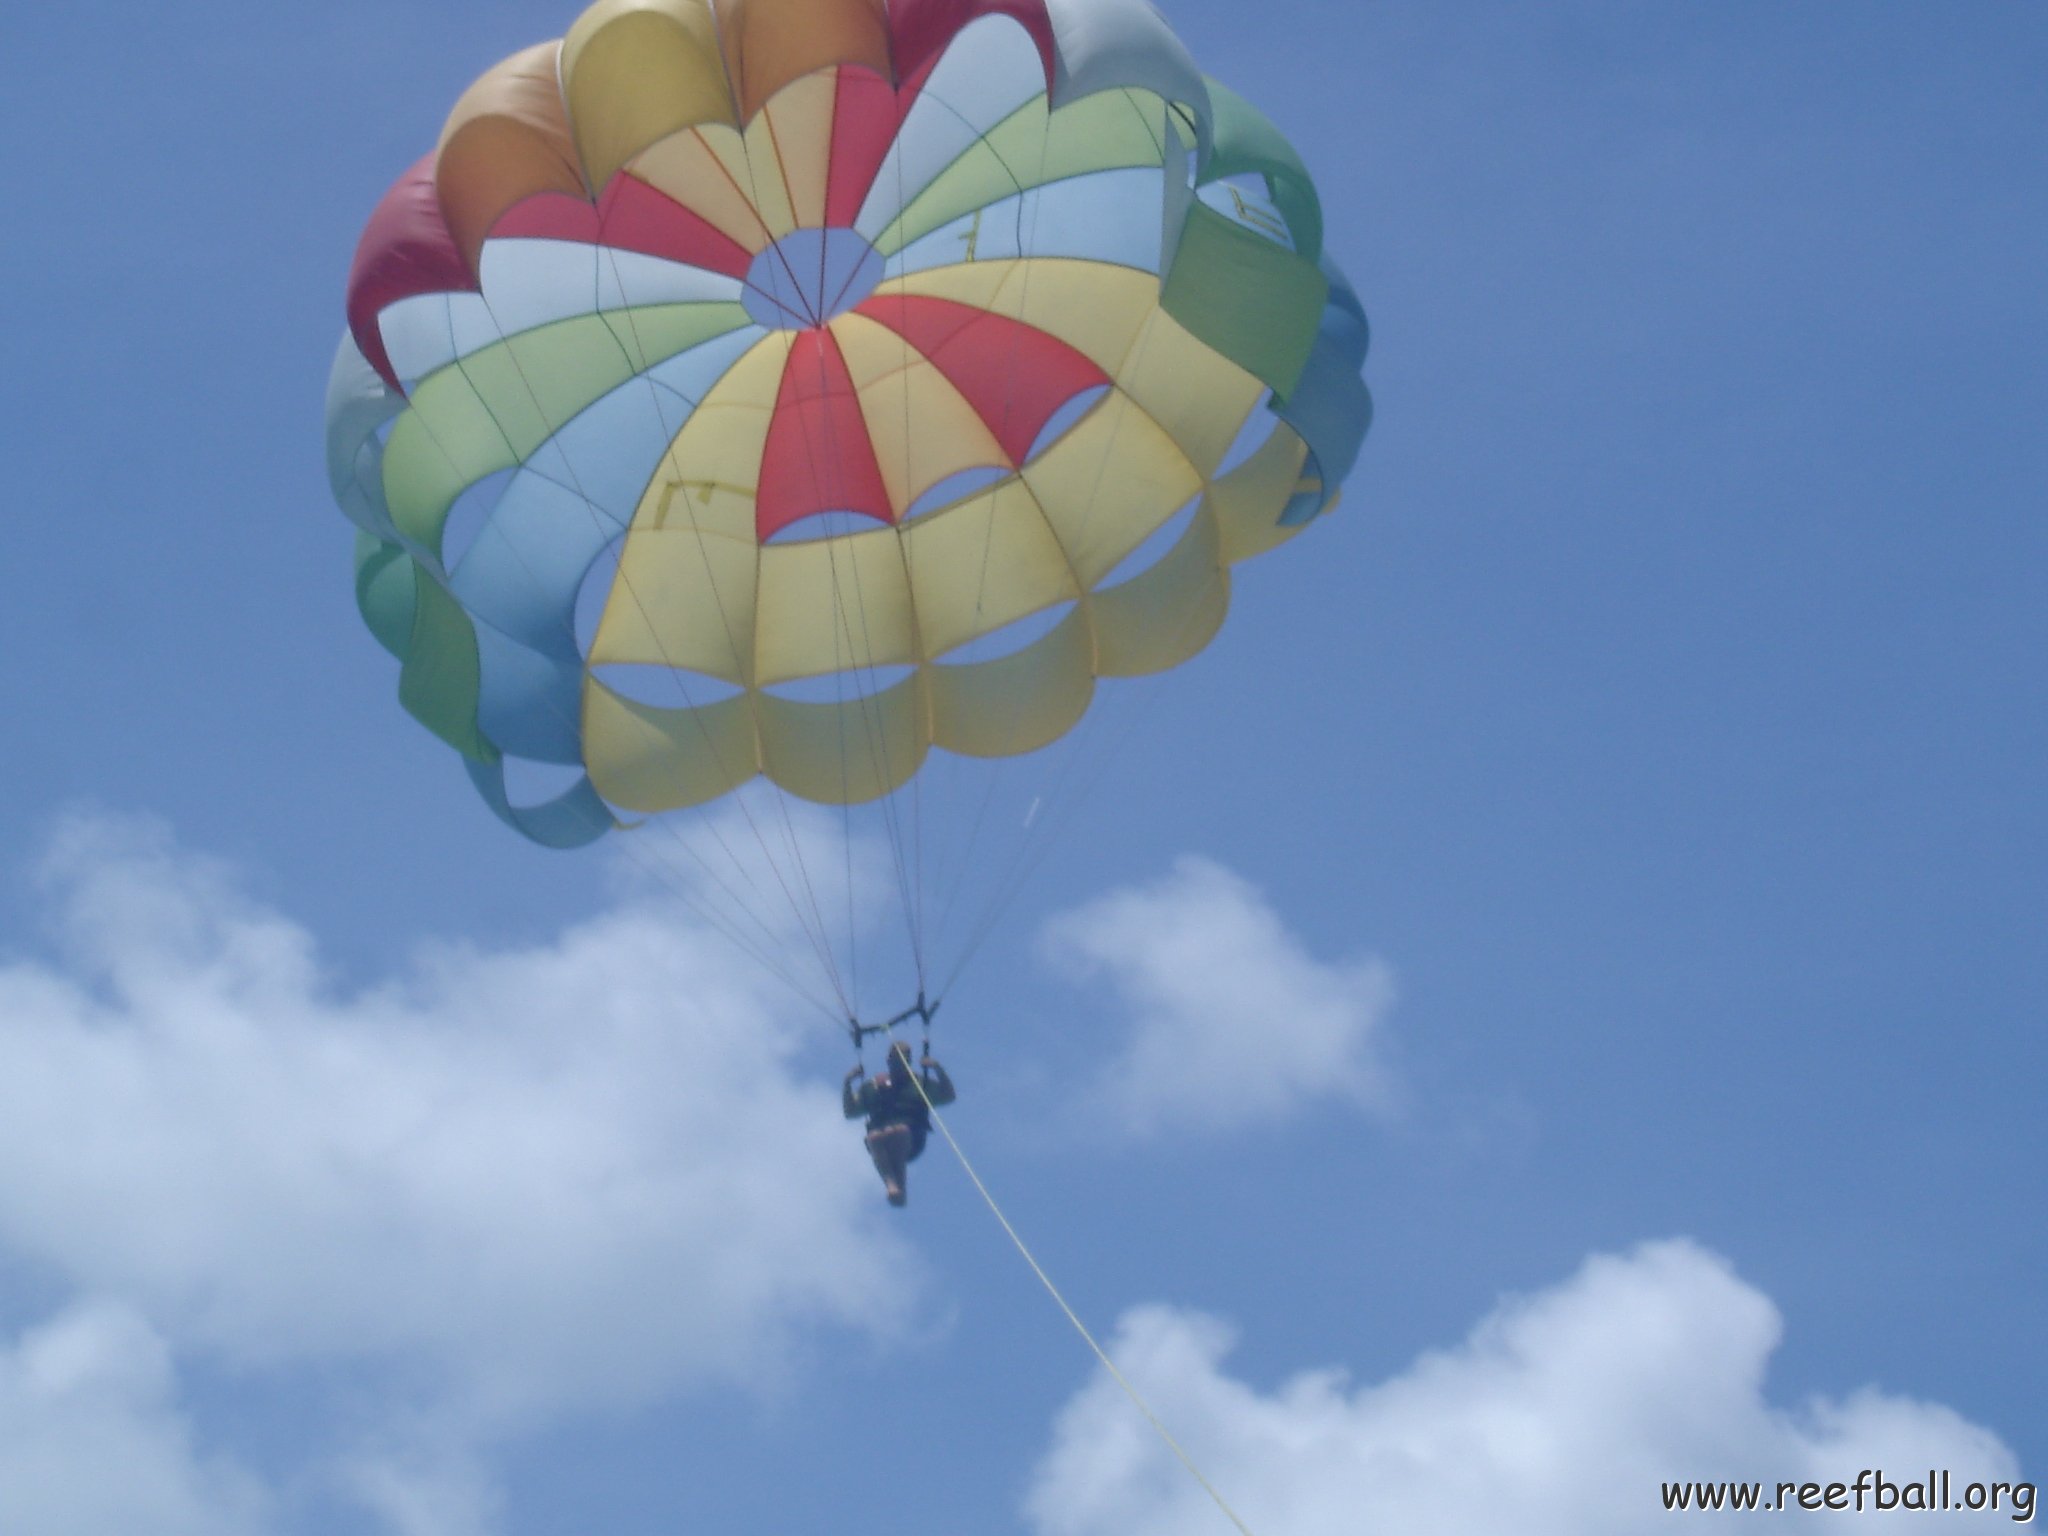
(1612, 847)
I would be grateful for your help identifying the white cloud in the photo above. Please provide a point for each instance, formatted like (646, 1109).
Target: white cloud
(91, 1443)
(517, 1184)
(1562, 1413)
(1233, 1020)
(425, 1486)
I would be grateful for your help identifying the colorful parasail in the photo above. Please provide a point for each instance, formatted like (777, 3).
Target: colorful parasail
(785, 389)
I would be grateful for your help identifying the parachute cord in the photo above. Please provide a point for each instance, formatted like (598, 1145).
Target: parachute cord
(819, 939)
(1073, 1317)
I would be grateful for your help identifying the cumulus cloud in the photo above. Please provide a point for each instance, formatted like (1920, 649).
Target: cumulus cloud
(92, 1444)
(1233, 1021)
(521, 1184)
(422, 1485)
(1561, 1413)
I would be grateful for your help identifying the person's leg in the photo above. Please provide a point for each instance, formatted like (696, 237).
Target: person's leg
(899, 1165)
(878, 1149)
(889, 1148)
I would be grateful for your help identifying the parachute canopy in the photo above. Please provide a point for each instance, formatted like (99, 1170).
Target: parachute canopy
(787, 388)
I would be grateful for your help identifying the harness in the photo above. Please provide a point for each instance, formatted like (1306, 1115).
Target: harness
(896, 1099)
(898, 1102)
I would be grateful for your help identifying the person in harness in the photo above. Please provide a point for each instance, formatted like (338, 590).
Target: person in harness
(899, 1117)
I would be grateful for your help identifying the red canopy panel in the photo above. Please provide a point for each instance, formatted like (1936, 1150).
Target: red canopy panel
(920, 29)
(406, 249)
(1013, 375)
(867, 113)
(818, 457)
(630, 216)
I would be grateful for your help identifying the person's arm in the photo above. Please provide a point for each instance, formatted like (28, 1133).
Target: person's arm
(850, 1096)
(937, 1086)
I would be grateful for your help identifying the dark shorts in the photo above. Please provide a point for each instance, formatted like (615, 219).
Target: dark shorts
(918, 1136)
